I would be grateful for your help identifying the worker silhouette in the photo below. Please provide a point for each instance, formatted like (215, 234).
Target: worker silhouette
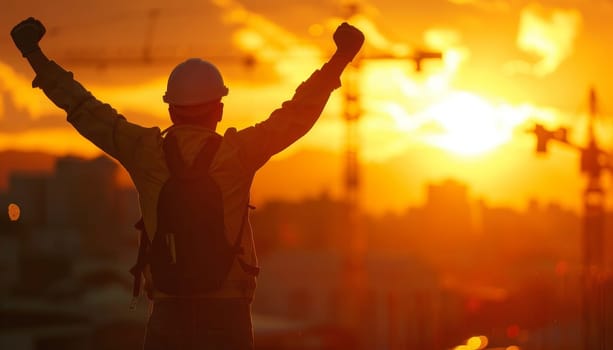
(197, 254)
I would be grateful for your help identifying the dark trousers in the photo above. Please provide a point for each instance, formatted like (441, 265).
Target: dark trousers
(200, 324)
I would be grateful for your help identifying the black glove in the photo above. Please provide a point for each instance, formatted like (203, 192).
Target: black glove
(27, 34)
(348, 40)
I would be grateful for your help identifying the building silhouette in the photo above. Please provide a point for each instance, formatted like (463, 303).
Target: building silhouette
(438, 273)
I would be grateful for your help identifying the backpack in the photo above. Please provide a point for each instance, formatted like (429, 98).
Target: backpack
(189, 253)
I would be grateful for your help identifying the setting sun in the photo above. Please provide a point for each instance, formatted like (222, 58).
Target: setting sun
(467, 124)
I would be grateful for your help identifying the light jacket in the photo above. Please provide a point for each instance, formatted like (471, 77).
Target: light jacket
(241, 153)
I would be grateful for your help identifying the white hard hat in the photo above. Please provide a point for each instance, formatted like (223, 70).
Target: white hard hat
(194, 82)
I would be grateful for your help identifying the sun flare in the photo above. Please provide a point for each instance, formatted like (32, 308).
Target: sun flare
(428, 108)
(469, 125)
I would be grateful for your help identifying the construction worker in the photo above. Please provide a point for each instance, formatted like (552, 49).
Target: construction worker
(219, 318)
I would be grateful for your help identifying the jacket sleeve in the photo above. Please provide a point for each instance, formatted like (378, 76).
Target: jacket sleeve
(288, 123)
(95, 120)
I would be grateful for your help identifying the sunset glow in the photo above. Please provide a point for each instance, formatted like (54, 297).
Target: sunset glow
(444, 184)
(477, 101)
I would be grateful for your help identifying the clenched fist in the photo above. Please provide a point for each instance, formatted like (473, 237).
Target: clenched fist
(27, 34)
(348, 40)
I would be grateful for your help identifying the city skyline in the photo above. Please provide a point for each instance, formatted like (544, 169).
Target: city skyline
(396, 184)
(489, 264)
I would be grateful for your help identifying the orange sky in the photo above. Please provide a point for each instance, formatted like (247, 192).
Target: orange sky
(506, 65)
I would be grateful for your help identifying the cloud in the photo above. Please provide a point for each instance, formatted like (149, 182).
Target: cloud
(374, 37)
(548, 34)
(455, 53)
(23, 108)
(486, 5)
(17, 119)
(292, 58)
(23, 96)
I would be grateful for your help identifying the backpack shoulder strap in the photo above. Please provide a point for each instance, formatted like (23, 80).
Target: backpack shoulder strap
(172, 153)
(177, 165)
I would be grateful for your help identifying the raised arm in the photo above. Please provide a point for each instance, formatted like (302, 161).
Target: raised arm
(298, 115)
(96, 121)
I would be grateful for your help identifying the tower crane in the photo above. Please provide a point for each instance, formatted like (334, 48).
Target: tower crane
(594, 162)
(355, 279)
(146, 57)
